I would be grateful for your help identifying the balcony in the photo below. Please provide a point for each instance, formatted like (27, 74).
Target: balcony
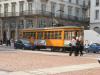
(44, 0)
(37, 12)
(41, 13)
(69, 17)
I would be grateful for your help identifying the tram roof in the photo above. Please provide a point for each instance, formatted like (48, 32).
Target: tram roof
(63, 27)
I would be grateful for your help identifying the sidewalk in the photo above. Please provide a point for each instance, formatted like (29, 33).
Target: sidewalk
(4, 46)
(25, 62)
(54, 70)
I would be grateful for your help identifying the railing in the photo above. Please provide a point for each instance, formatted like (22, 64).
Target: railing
(42, 13)
(69, 17)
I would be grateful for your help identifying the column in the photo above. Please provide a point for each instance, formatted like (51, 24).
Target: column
(16, 31)
(36, 23)
(1, 31)
(8, 33)
(24, 23)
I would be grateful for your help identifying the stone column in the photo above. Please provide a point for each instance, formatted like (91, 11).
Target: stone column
(8, 31)
(1, 31)
(16, 31)
(24, 23)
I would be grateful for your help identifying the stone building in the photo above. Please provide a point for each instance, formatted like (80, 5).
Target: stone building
(95, 15)
(21, 14)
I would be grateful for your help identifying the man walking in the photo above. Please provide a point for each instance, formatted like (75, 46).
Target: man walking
(73, 46)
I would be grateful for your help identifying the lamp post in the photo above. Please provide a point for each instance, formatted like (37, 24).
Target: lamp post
(52, 18)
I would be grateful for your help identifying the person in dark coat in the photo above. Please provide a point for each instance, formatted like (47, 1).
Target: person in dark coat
(79, 47)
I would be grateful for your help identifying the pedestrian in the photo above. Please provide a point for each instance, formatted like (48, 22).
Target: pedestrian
(77, 47)
(0, 42)
(73, 46)
(80, 47)
(8, 42)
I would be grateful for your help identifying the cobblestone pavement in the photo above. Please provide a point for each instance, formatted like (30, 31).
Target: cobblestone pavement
(24, 62)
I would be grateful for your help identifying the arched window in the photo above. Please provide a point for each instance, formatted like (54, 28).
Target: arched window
(97, 29)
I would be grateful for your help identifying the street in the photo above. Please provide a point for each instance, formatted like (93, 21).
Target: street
(27, 62)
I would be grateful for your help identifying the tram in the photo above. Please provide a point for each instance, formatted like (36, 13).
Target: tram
(56, 38)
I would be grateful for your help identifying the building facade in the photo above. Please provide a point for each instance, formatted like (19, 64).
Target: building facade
(95, 15)
(21, 14)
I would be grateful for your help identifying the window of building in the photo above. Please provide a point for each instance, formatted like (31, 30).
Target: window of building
(13, 8)
(6, 9)
(42, 22)
(21, 6)
(97, 14)
(97, 29)
(43, 8)
(77, 1)
(53, 8)
(69, 10)
(76, 12)
(0, 9)
(70, 1)
(30, 7)
(97, 2)
(61, 9)
(13, 24)
(3, 0)
(29, 24)
(21, 24)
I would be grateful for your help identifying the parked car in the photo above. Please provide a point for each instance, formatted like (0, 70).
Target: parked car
(95, 48)
(23, 44)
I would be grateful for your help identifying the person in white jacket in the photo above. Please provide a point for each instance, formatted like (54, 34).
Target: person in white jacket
(73, 46)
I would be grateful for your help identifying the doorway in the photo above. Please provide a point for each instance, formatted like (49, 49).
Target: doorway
(4, 37)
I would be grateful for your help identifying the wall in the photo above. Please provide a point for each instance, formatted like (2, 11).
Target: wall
(37, 5)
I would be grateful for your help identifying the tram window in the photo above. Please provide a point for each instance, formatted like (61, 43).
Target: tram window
(57, 35)
(52, 35)
(40, 35)
(66, 35)
(72, 34)
(77, 33)
(33, 34)
(45, 35)
(26, 34)
(69, 35)
(48, 35)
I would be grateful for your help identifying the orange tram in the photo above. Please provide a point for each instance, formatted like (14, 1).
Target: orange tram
(56, 38)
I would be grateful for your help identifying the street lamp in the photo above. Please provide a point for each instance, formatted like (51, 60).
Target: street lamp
(54, 21)
(52, 18)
